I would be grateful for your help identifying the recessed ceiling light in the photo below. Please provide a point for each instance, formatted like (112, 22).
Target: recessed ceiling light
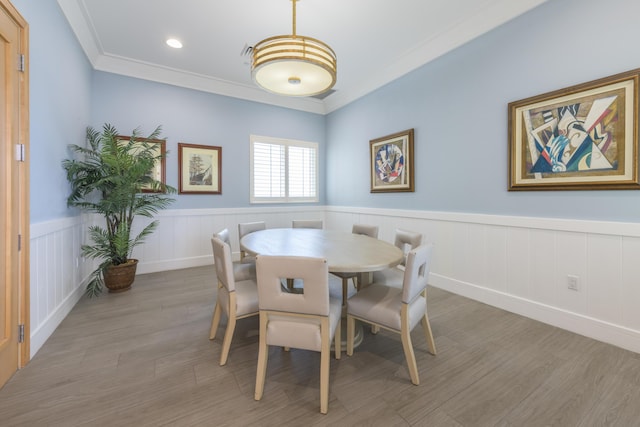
(174, 43)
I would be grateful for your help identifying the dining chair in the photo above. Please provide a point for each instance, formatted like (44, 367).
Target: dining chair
(303, 223)
(244, 229)
(406, 241)
(238, 299)
(240, 271)
(307, 223)
(366, 230)
(308, 321)
(397, 310)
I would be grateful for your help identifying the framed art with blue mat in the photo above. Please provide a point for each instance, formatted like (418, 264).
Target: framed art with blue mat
(392, 162)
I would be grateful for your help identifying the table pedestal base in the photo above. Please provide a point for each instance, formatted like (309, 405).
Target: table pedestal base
(358, 335)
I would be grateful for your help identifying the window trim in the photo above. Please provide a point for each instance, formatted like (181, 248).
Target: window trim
(287, 143)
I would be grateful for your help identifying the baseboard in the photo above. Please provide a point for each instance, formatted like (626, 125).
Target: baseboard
(174, 264)
(617, 335)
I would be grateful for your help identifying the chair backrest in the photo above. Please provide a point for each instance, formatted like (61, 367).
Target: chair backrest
(249, 227)
(224, 236)
(416, 272)
(314, 273)
(307, 223)
(367, 230)
(406, 241)
(223, 263)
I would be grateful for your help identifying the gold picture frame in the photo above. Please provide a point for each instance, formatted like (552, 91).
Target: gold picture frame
(158, 173)
(391, 160)
(199, 169)
(583, 137)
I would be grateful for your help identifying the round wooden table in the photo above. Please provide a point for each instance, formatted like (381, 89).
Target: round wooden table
(344, 252)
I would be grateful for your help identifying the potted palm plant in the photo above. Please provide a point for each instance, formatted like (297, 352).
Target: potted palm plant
(107, 178)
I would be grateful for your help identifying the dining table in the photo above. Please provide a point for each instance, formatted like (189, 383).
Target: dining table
(345, 252)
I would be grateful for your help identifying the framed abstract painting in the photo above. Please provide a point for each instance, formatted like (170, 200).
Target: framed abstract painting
(583, 137)
(199, 169)
(392, 162)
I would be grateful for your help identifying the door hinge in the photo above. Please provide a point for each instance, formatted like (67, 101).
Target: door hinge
(21, 333)
(19, 242)
(20, 154)
(21, 63)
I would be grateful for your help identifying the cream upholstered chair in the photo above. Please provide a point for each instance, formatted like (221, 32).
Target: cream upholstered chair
(398, 310)
(244, 229)
(303, 223)
(308, 321)
(240, 271)
(237, 299)
(307, 223)
(367, 230)
(406, 241)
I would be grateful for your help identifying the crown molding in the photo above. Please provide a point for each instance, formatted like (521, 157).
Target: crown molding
(496, 13)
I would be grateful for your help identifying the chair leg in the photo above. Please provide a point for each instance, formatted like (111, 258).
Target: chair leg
(351, 330)
(263, 354)
(215, 321)
(337, 338)
(426, 326)
(228, 336)
(324, 367)
(410, 356)
(407, 346)
(231, 327)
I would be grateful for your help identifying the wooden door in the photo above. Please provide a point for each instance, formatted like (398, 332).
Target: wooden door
(13, 192)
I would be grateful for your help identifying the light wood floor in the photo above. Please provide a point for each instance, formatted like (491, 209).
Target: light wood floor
(143, 358)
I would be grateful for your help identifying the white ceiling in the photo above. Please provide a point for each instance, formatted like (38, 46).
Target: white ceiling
(376, 41)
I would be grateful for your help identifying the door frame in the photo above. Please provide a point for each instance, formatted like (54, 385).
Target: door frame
(23, 177)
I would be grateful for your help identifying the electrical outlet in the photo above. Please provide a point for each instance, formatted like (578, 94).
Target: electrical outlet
(573, 282)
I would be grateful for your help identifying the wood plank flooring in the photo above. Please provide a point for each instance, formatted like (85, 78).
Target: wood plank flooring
(143, 358)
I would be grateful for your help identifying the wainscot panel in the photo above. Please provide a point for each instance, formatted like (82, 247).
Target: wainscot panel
(522, 264)
(59, 273)
(519, 264)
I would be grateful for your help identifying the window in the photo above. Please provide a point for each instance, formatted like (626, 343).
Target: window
(283, 170)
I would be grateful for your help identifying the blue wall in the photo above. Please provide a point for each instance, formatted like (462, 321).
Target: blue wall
(195, 117)
(60, 84)
(457, 105)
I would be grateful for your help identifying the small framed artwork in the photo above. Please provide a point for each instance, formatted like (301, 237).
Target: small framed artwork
(392, 162)
(583, 137)
(199, 169)
(158, 173)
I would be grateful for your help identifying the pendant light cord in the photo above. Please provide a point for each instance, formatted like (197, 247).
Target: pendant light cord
(294, 17)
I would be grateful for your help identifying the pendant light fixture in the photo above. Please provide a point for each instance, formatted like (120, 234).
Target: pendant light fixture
(294, 65)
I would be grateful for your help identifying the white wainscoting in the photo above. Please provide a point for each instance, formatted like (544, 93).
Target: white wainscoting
(183, 239)
(521, 265)
(58, 275)
(518, 264)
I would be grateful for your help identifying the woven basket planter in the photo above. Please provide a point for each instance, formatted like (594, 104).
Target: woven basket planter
(119, 278)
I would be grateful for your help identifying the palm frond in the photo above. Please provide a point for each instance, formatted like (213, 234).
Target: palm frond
(106, 177)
